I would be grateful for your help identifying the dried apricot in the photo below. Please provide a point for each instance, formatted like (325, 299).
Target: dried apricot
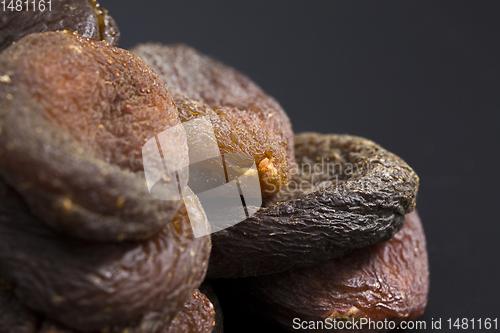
(207, 290)
(196, 316)
(386, 281)
(246, 121)
(74, 116)
(89, 285)
(87, 18)
(362, 203)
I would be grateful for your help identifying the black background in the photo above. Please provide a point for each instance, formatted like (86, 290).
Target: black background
(420, 78)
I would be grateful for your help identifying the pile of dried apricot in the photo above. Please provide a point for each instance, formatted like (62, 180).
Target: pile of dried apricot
(85, 246)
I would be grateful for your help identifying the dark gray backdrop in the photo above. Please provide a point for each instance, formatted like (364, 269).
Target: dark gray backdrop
(420, 78)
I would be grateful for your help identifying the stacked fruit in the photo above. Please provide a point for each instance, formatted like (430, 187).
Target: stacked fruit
(85, 246)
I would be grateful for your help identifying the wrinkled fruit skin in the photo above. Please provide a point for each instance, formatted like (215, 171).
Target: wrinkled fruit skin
(74, 116)
(245, 119)
(87, 18)
(383, 281)
(89, 286)
(313, 225)
(196, 316)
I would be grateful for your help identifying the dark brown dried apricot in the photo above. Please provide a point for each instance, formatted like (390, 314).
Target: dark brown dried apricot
(207, 290)
(87, 18)
(90, 285)
(245, 119)
(196, 316)
(386, 281)
(74, 116)
(347, 210)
